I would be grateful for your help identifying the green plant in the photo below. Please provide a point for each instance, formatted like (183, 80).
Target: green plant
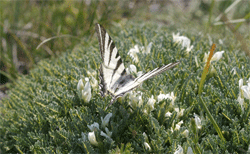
(44, 113)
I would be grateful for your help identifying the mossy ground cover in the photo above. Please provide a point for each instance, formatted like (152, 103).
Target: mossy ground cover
(44, 114)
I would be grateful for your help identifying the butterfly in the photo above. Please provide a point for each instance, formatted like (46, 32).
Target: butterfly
(114, 80)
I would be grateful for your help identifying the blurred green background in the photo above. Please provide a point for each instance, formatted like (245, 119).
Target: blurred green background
(64, 24)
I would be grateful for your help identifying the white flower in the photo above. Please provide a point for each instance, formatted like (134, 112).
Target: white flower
(83, 138)
(234, 71)
(84, 93)
(171, 129)
(184, 41)
(179, 112)
(168, 114)
(145, 136)
(91, 72)
(189, 48)
(105, 121)
(185, 133)
(93, 82)
(246, 91)
(92, 139)
(131, 69)
(190, 151)
(197, 121)
(179, 150)
(151, 102)
(217, 56)
(109, 133)
(80, 85)
(147, 146)
(161, 97)
(108, 136)
(167, 96)
(241, 102)
(148, 48)
(135, 99)
(93, 126)
(178, 125)
(133, 53)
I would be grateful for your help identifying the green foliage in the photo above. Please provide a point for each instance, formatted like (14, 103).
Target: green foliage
(44, 114)
(24, 25)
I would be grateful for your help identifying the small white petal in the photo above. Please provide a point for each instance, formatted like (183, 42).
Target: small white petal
(147, 146)
(148, 49)
(80, 85)
(133, 53)
(86, 92)
(168, 114)
(93, 82)
(206, 57)
(92, 139)
(131, 69)
(246, 91)
(161, 97)
(136, 99)
(197, 121)
(179, 150)
(145, 136)
(105, 121)
(189, 48)
(109, 133)
(151, 102)
(105, 135)
(234, 71)
(241, 101)
(93, 126)
(178, 125)
(217, 56)
(86, 79)
(179, 112)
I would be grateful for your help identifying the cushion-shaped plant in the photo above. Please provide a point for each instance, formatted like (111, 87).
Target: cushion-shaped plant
(45, 112)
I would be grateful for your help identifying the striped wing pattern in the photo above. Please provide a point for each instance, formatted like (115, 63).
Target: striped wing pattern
(113, 76)
(112, 67)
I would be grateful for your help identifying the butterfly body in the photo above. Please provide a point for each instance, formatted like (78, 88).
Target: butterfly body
(114, 79)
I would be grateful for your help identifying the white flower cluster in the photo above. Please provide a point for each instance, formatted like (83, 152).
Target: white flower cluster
(217, 56)
(84, 91)
(95, 127)
(244, 92)
(133, 52)
(184, 41)
(179, 150)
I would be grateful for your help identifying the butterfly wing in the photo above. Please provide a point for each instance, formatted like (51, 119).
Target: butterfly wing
(131, 84)
(113, 76)
(112, 68)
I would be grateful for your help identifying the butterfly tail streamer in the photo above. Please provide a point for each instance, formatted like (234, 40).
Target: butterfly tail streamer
(155, 72)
